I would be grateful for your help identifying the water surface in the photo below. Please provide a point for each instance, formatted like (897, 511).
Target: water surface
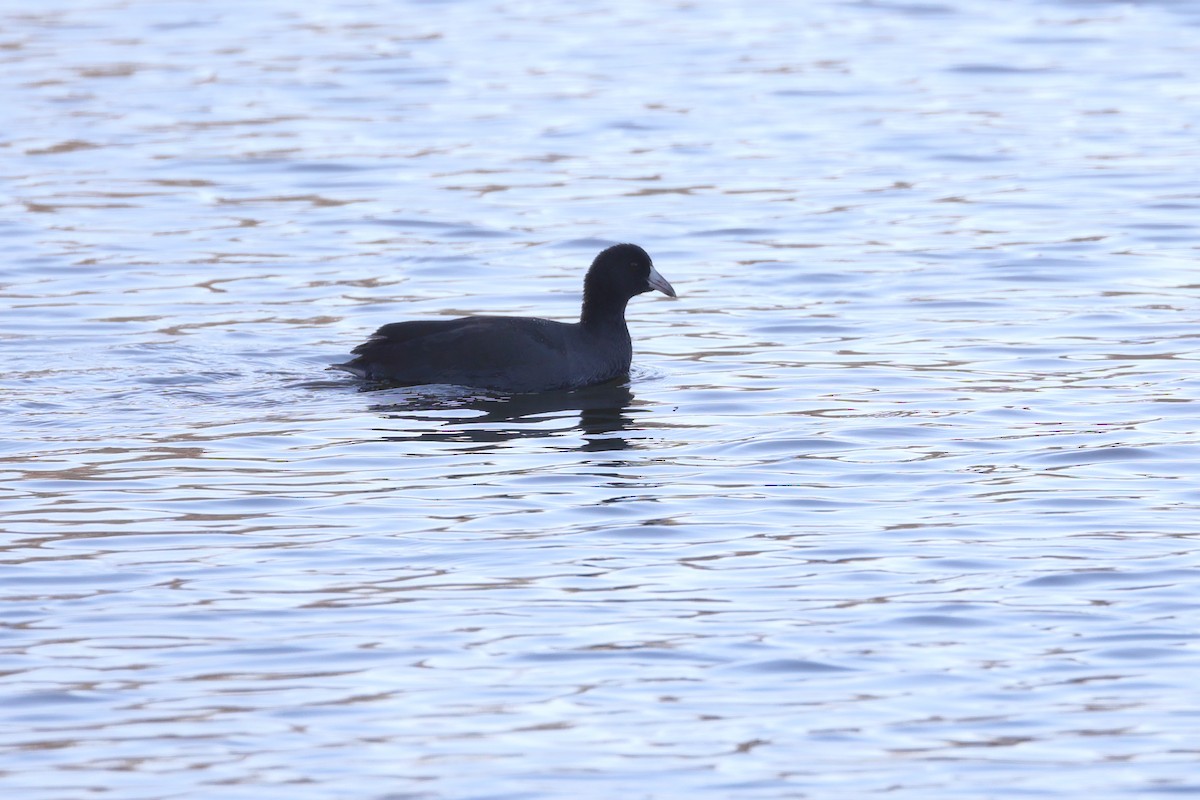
(900, 497)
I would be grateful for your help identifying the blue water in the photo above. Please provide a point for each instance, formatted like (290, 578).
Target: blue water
(900, 497)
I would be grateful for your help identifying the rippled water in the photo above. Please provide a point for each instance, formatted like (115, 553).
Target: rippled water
(901, 497)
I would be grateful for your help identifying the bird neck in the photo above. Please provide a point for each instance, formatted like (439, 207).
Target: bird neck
(601, 311)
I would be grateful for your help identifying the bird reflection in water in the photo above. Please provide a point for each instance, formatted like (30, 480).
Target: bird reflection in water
(597, 412)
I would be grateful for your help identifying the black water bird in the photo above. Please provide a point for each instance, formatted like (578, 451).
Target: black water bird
(520, 354)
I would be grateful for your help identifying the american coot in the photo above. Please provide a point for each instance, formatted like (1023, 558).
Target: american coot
(520, 354)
